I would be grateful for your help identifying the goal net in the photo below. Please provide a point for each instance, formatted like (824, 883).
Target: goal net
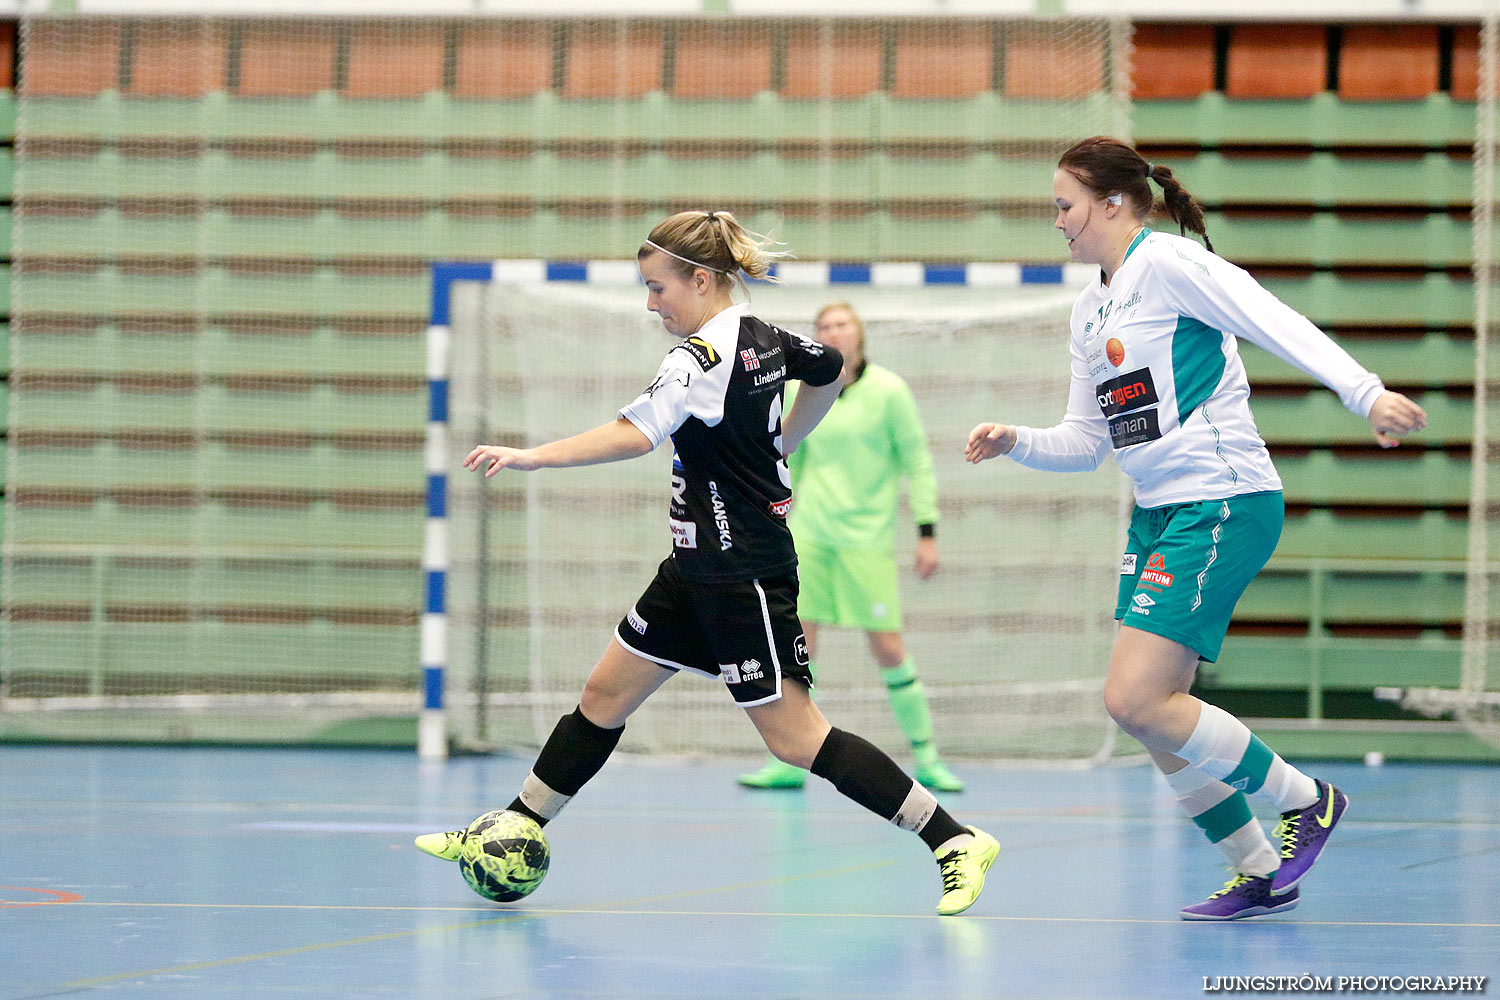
(1011, 636)
(1476, 700)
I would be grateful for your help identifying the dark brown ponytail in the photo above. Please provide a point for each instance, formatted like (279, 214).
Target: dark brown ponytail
(1108, 166)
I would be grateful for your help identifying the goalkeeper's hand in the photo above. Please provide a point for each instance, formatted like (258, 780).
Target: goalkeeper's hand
(989, 441)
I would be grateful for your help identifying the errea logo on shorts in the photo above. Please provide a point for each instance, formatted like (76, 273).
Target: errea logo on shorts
(738, 673)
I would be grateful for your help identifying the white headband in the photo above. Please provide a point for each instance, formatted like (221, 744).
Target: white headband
(680, 257)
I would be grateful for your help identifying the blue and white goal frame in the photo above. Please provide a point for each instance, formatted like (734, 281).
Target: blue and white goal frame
(432, 739)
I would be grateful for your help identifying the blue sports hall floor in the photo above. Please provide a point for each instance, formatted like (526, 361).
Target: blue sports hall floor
(213, 873)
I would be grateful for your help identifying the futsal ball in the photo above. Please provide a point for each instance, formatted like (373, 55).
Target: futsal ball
(505, 855)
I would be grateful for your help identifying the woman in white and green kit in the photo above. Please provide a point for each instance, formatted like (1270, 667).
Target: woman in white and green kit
(846, 480)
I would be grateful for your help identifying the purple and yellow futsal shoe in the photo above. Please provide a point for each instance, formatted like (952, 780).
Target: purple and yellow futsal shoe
(1242, 896)
(1303, 832)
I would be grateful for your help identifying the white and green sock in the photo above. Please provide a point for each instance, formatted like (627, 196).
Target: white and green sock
(1224, 816)
(1223, 747)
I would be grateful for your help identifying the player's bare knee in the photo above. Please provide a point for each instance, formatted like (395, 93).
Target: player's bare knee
(602, 705)
(1132, 709)
(888, 649)
(796, 752)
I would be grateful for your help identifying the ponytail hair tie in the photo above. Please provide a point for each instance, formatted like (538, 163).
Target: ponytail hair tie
(1150, 170)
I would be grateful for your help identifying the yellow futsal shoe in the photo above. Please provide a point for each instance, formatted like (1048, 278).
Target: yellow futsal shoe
(963, 871)
(448, 845)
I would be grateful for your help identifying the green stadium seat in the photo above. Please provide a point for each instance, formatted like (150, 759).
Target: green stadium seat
(1321, 122)
(1397, 477)
(1388, 62)
(1425, 659)
(1318, 418)
(271, 654)
(1324, 179)
(1329, 534)
(1422, 301)
(1427, 359)
(1343, 239)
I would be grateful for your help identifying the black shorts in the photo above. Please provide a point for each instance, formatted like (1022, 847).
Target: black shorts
(746, 632)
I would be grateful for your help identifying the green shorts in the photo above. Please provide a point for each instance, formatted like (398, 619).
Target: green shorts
(1186, 565)
(851, 587)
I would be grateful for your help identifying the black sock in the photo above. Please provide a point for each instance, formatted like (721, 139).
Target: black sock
(861, 771)
(573, 754)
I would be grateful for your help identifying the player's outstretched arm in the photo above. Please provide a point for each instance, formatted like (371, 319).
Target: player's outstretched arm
(609, 442)
(1393, 417)
(989, 441)
(811, 405)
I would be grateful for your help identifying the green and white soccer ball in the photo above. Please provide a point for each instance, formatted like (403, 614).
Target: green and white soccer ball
(505, 855)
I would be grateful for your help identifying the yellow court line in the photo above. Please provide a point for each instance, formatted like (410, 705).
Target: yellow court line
(603, 908)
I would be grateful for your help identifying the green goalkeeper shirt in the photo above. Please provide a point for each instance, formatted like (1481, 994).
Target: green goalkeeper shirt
(846, 475)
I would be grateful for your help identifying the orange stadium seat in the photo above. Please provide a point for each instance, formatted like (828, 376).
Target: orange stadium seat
(395, 60)
(70, 58)
(1386, 63)
(177, 58)
(843, 60)
(1277, 60)
(286, 58)
(498, 60)
(1033, 56)
(613, 59)
(1465, 63)
(722, 60)
(7, 54)
(1172, 61)
(944, 60)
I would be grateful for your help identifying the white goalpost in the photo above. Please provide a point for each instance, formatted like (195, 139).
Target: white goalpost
(1476, 701)
(1011, 635)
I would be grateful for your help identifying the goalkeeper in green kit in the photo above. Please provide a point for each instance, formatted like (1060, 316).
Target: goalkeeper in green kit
(846, 480)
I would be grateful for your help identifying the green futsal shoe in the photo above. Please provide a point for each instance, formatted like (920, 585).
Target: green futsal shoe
(963, 872)
(775, 774)
(937, 777)
(448, 846)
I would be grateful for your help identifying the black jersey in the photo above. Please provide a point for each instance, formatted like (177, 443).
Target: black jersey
(718, 394)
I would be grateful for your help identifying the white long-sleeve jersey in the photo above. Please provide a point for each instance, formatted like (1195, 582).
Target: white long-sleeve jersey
(1157, 376)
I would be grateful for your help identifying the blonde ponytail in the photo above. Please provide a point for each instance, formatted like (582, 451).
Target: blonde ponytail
(714, 241)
